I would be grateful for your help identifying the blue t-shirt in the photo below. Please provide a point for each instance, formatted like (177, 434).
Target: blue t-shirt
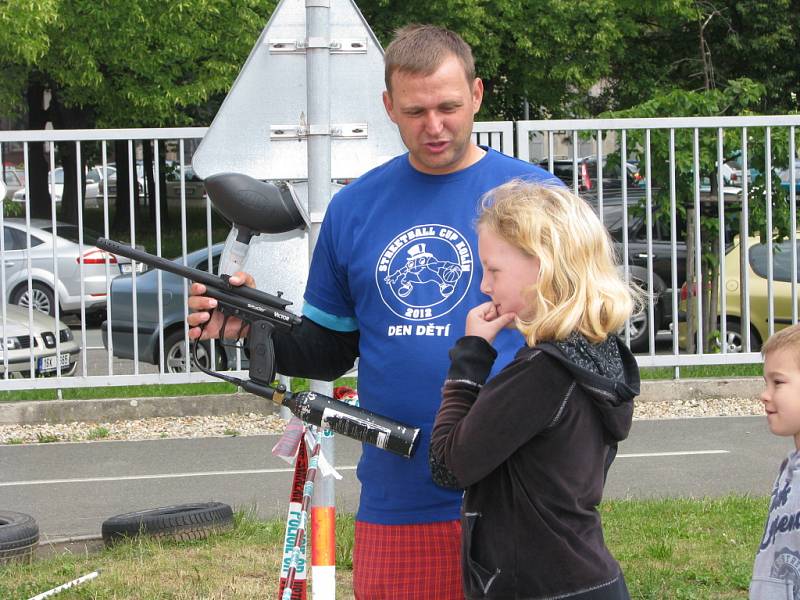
(397, 254)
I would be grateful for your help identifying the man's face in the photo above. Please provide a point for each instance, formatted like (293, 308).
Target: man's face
(781, 396)
(434, 115)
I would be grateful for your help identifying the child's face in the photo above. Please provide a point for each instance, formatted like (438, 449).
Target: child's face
(507, 273)
(781, 397)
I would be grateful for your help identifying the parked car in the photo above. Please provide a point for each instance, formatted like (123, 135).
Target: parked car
(195, 191)
(563, 168)
(147, 326)
(112, 181)
(661, 247)
(45, 287)
(14, 180)
(758, 257)
(91, 195)
(18, 340)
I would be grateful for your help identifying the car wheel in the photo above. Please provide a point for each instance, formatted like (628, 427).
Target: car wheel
(41, 297)
(638, 328)
(175, 354)
(180, 522)
(734, 338)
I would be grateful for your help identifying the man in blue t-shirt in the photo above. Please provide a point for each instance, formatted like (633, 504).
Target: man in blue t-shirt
(394, 272)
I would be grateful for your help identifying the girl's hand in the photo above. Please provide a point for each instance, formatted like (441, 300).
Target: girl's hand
(483, 321)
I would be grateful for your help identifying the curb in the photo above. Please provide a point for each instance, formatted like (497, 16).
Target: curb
(109, 409)
(65, 411)
(740, 388)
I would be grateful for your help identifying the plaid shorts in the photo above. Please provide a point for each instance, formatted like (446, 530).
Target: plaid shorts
(407, 562)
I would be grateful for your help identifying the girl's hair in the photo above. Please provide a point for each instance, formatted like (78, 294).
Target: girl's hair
(579, 287)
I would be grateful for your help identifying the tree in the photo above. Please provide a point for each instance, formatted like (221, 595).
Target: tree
(549, 55)
(702, 44)
(106, 63)
(738, 98)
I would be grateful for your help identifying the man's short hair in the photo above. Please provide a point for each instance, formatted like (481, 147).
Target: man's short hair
(788, 338)
(421, 49)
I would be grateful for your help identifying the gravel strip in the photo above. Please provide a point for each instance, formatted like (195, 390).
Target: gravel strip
(257, 424)
(143, 429)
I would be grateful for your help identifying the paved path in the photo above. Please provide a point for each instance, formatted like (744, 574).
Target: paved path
(70, 488)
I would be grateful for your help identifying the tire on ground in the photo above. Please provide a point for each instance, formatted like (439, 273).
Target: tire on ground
(19, 536)
(181, 522)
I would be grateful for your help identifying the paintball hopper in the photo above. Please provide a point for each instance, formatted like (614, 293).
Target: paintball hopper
(253, 207)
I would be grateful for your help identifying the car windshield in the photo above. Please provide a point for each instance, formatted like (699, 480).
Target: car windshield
(781, 260)
(70, 232)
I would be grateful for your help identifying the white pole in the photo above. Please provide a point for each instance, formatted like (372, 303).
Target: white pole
(318, 94)
(66, 586)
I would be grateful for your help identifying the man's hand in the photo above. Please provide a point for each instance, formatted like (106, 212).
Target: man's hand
(483, 321)
(200, 307)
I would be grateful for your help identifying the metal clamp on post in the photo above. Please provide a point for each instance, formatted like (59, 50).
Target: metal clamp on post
(342, 46)
(301, 132)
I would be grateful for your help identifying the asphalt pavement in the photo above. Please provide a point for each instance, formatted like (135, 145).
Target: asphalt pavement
(71, 488)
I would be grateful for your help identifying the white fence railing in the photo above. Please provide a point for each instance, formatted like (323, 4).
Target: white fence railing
(634, 170)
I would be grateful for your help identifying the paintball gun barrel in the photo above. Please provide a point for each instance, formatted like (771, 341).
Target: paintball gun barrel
(263, 311)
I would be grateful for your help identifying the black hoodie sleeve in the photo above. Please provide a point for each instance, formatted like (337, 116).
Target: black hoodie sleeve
(313, 351)
(478, 427)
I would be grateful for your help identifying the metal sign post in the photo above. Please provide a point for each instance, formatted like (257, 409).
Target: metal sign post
(306, 106)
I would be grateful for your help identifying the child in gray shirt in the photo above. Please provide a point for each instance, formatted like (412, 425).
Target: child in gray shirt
(776, 572)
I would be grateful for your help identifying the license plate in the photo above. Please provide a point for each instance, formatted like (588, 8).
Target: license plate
(48, 363)
(127, 267)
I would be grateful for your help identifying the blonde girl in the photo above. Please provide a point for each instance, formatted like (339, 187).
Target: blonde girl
(532, 445)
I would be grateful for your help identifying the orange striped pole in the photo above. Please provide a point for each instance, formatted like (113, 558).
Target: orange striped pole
(323, 530)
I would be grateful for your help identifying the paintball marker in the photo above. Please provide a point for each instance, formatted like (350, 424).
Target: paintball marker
(265, 312)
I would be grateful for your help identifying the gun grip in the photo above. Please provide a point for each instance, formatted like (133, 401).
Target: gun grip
(262, 352)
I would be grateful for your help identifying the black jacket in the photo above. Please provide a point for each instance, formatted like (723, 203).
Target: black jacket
(530, 447)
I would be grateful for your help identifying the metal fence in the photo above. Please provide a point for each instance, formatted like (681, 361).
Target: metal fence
(651, 180)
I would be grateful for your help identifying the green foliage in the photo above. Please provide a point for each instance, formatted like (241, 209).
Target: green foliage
(23, 41)
(153, 63)
(98, 433)
(126, 64)
(753, 39)
(550, 53)
(740, 97)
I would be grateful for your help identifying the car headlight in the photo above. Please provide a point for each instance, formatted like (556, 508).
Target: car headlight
(10, 343)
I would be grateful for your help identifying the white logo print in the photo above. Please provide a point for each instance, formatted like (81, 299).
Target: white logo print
(424, 272)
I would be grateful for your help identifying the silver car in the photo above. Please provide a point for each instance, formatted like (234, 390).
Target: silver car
(91, 195)
(13, 179)
(73, 267)
(18, 342)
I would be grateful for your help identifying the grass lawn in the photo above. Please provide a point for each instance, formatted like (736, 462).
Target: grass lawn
(668, 549)
(196, 389)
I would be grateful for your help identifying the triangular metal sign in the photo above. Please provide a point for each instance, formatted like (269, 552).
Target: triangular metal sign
(261, 128)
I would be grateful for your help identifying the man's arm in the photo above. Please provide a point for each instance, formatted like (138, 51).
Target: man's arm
(313, 351)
